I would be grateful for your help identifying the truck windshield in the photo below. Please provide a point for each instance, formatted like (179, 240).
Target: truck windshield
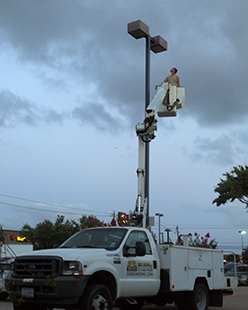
(108, 238)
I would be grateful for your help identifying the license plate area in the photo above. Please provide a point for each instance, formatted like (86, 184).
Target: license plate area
(27, 292)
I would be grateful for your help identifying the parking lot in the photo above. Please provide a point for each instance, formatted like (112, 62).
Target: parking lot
(238, 301)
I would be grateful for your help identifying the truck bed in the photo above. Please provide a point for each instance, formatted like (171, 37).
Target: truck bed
(183, 265)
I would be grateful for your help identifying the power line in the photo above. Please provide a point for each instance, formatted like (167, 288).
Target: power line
(47, 210)
(36, 209)
(41, 202)
(49, 204)
(36, 201)
(206, 226)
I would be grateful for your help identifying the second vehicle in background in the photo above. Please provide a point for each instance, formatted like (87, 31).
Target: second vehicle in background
(241, 272)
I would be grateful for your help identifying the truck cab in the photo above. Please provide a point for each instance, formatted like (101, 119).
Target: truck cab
(122, 259)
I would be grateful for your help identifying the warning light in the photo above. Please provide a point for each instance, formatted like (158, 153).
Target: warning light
(12, 238)
(122, 219)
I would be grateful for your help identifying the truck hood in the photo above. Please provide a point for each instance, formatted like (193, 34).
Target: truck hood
(71, 253)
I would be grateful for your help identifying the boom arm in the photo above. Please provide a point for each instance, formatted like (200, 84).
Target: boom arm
(168, 98)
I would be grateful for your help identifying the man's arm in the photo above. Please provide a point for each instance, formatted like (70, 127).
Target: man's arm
(178, 84)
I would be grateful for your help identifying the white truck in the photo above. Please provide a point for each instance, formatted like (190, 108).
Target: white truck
(11, 250)
(99, 266)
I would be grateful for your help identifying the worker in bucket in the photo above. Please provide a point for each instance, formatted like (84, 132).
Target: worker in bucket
(173, 79)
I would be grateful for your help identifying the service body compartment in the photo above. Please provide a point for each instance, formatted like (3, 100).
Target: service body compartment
(185, 264)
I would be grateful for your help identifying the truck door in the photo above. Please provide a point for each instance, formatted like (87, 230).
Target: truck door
(140, 274)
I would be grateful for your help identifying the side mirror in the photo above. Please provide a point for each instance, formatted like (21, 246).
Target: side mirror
(140, 248)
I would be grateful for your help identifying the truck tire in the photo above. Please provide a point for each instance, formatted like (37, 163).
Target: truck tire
(199, 299)
(96, 297)
(160, 300)
(123, 304)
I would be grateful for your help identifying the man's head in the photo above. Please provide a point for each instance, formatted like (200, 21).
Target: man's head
(173, 71)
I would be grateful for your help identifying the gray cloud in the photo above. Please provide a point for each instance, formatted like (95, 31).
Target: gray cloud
(16, 110)
(224, 150)
(95, 113)
(72, 62)
(88, 42)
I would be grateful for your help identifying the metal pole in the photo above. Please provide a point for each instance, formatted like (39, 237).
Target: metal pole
(138, 30)
(242, 232)
(147, 102)
(159, 229)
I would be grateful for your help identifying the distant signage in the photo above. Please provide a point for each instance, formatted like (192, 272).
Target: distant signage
(18, 238)
(21, 239)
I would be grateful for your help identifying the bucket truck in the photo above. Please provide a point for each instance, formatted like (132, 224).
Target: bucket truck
(123, 266)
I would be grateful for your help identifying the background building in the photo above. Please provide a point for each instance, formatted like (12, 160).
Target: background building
(12, 244)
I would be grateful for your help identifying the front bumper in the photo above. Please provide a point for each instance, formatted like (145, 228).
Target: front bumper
(64, 290)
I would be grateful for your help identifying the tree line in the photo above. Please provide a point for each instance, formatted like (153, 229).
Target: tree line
(47, 235)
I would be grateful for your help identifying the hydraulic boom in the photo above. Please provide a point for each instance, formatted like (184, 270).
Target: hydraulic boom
(167, 100)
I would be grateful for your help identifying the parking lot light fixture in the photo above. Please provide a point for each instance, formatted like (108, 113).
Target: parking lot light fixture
(138, 29)
(159, 216)
(242, 232)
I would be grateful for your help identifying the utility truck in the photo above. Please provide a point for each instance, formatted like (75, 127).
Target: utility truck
(124, 266)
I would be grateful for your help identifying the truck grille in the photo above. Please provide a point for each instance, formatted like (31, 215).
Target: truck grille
(37, 266)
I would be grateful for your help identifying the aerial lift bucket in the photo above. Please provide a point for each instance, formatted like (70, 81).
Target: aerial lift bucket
(173, 101)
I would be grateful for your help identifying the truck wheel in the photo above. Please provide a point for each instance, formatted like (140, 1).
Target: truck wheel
(159, 300)
(124, 304)
(199, 299)
(96, 297)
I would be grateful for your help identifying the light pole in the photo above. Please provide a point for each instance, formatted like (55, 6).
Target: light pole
(157, 44)
(159, 216)
(242, 232)
(168, 234)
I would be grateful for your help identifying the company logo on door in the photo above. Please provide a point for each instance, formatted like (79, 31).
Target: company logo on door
(139, 269)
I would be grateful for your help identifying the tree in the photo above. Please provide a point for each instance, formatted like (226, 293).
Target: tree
(46, 235)
(90, 221)
(230, 258)
(1, 234)
(245, 255)
(64, 229)
(234, 186)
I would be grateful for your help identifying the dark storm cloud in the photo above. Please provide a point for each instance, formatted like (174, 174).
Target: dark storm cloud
(32, 27)
(88, 41)
(224, 150)
(218, 151)
(96, 113)
(216, 77)
(15, 110)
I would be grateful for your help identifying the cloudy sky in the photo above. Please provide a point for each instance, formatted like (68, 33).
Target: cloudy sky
(72, 90)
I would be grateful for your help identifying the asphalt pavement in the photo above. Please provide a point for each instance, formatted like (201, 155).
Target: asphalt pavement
(237, 301)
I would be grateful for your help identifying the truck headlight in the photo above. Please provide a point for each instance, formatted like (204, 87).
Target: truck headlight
(72, 268)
